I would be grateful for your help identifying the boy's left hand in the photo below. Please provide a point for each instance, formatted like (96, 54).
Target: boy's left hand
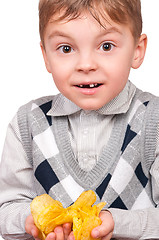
(105, 230)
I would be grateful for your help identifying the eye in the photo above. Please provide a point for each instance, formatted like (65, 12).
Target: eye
(65, 49)
(107, 46)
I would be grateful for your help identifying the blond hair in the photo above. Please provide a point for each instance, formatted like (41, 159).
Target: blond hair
(119, 11)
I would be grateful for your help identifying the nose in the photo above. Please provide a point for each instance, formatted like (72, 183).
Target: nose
(86, 63)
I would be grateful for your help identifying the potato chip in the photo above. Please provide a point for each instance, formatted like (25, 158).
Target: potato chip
(88, 225)
(49, 213)
(40, 204)
(86, 199)
(77, 228)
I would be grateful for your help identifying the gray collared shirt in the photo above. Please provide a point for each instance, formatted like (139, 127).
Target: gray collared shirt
(90, 130)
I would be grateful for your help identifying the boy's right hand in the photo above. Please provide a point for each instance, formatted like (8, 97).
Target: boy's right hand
(30, 227)
(60, 232)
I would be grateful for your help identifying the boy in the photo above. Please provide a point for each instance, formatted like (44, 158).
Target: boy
(100, 133)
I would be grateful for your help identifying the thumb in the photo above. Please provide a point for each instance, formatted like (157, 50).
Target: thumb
(106, 227)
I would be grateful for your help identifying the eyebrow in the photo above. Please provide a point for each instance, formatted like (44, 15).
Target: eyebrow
(111, 30)
(59, 34)
(104, 32)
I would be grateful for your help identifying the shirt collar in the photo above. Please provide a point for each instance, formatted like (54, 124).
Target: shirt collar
(61, 106)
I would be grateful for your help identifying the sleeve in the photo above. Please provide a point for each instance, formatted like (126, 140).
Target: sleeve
(140, 224)
(16, 186)
(137, 224)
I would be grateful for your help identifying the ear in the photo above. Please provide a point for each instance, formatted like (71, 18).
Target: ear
(140, 51)
(45, 57)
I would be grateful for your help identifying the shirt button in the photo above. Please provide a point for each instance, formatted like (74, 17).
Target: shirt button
(85, 160)
(85, 131)
(85, 156)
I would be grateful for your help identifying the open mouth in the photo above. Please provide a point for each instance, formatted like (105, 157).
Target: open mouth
(89, 85)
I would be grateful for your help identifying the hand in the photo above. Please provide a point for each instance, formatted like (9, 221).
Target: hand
(105, 230)
(60, 232)
(30, 227)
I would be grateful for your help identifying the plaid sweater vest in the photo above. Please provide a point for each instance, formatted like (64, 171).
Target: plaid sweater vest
(121, 176)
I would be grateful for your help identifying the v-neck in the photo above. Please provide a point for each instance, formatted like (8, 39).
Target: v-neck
(108, 156)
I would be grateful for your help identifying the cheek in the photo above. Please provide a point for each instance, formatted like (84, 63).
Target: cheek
(61, 69)
(61, 80)
(58, 80)
(120, 67)
(117, 72)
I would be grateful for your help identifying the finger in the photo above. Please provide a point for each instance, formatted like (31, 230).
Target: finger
(29, 223)
(105, 228)
(108, 237)
(51, 236)
(34, 232)
(71, 236)
(98, 233)
(30, 227)
(59, 233)
(67, 229)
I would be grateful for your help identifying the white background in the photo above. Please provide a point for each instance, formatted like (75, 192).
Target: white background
(22, 72)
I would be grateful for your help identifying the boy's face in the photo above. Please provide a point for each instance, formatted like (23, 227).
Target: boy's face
(90, 64)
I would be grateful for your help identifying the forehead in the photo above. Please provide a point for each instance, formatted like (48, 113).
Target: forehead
(84, 25)
(61, 17)
(100, 15)
(86, 17)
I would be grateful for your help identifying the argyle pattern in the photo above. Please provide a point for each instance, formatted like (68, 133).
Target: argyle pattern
(124, 184)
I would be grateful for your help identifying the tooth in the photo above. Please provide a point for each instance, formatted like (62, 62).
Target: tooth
(91, 85)
(81, 85)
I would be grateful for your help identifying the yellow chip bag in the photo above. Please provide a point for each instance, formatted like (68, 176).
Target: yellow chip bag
(49, 213)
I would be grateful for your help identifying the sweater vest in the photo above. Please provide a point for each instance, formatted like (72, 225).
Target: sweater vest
(121, 176)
